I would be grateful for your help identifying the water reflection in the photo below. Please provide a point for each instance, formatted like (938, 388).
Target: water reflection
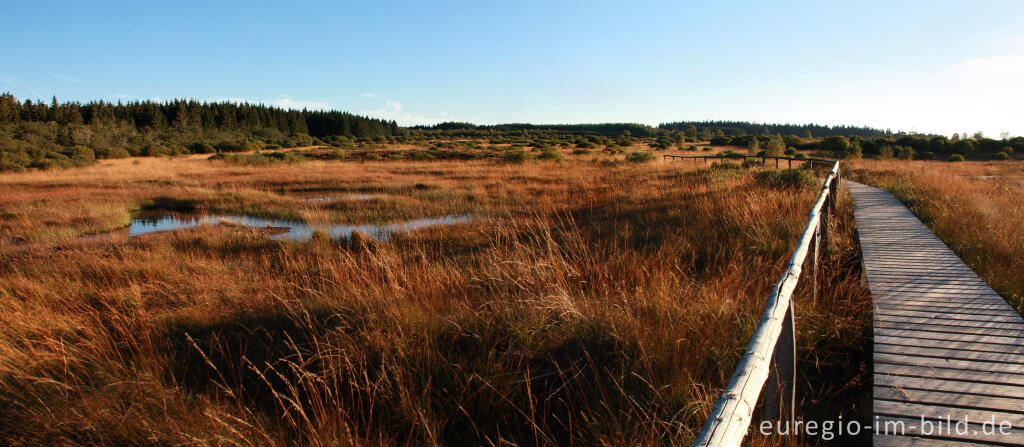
(345, 198)
(292, 230)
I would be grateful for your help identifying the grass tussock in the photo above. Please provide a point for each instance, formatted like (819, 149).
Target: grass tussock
(585, 304)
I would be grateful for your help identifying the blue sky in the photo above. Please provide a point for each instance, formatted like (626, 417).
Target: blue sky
(930, 66)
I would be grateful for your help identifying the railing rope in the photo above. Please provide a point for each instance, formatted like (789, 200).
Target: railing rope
(772, 348)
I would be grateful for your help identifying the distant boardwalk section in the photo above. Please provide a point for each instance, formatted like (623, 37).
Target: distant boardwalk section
(948, 350)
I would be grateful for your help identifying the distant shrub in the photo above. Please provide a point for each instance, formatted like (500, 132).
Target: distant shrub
(112, 152)
(581, 152)
(708, 149)
(905, 153)
(272, 146)
(790, 151)
(155, 150)
(515, 157)
(956, 157)
(550, 154)
(926, 155)
(80, 155)
(729, 166)
(753, 163)
(720, 141)
(854, 151)
(885, 152)
(202, 148)
(785, 178)
(1002, 156)
(639, 157)
(693, 148)
(420, 155)
(374, 157)
(258, 159)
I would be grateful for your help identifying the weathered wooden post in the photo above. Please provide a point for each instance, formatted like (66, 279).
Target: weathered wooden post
(780, 388)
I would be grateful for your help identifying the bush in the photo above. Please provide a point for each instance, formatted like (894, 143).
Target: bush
(550, 154)
(581, 152)
(80, 155)
(420, 155)
(905, 153)
(112, 152)
(693, 148)
(790, 151)
(926, 155)
(854, 151)
(639, 157)
(786, 178)
(202, 148)
(956, 157)
(156, 150)
(720, 141)
(1002, 156)
(515, 157)
(258, 159)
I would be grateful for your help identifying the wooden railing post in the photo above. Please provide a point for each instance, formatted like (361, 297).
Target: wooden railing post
(780, 389)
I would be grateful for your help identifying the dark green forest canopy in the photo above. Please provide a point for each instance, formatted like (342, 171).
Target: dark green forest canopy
(183, 113)
(735, 128)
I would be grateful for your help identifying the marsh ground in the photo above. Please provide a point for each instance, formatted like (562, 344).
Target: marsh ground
(585, 302)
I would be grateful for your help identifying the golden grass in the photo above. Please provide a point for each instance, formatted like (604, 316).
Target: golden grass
(976, 208)
(584, 304)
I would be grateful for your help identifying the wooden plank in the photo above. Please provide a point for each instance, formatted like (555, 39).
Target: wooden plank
(1015, 332)
(953, 386)
(937, 362)
(945, 316)
(946, 398)
(912, 425)
(995, 357)
(932, 343)
(950, 374)
(936, 412)
(992, 324)
(914, 441)
(945, 336)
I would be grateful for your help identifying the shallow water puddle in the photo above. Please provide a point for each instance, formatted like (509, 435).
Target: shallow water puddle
(292, 230)
(345, 198)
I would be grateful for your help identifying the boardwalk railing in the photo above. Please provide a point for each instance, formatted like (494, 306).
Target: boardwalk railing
(770, 360)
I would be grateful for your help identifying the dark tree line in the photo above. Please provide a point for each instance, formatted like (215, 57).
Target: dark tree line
(737, 128)
(192, 113)
(39, 134)
(604, 129)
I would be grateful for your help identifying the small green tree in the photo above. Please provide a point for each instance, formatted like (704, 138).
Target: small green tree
(775, 146)
(854, 151)
(691, 133)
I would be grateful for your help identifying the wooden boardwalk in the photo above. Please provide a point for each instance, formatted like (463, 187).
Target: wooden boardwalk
(945, 344)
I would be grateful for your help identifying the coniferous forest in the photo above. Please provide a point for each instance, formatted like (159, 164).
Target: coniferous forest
(37, 134)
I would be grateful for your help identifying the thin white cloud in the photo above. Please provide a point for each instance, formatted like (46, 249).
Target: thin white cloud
(70, 79)
(392, 111)
(298, 104)
(369, 95)
(997, 67)
(9, 80)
